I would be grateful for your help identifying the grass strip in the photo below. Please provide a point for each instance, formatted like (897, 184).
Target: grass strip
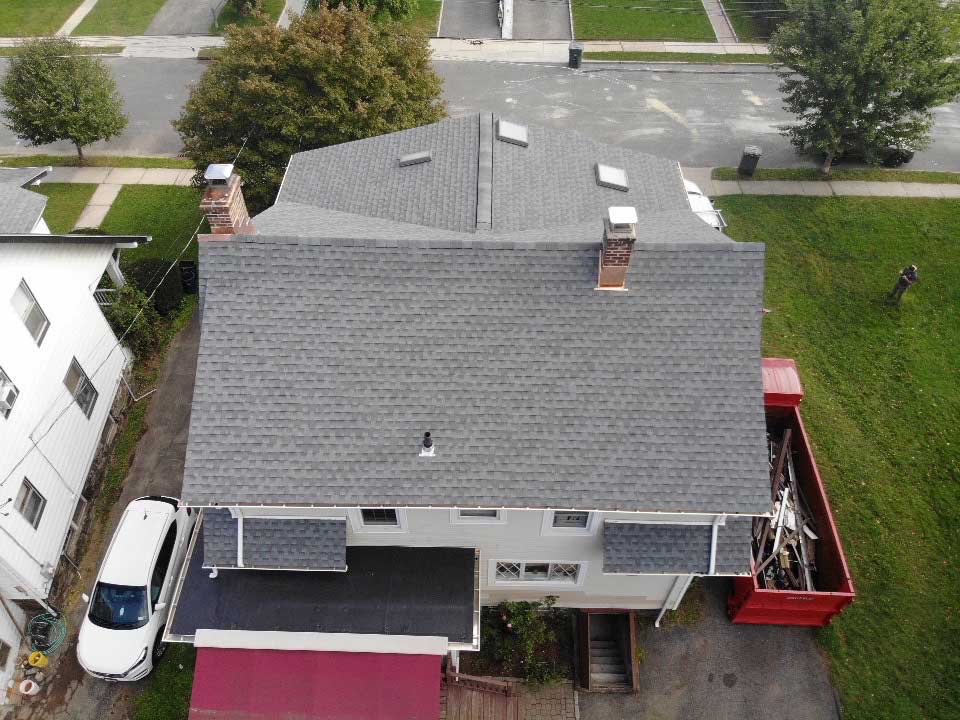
(841, 173)
(119, 17)
(882, 406)
(168, 688)
(30, 18)
(230, 16)
(94, 161)
(83, 50)
(711, 58)
(167, 212)
(65, 202)
(620, 20)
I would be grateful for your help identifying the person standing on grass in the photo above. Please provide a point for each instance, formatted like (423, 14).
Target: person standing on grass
(908, 276)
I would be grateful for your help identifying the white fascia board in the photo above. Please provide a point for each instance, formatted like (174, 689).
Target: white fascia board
(322, 642)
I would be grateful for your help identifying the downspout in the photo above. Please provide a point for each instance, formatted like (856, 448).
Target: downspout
(717, 522)
(674, 597)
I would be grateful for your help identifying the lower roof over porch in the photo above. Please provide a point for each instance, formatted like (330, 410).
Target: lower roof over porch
(428, 592)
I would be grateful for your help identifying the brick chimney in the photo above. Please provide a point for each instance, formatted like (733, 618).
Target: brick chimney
(223, 202)
(619, 235)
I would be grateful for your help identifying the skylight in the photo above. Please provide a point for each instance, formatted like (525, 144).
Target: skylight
(512, 133)
(415, 158)
(612, 177)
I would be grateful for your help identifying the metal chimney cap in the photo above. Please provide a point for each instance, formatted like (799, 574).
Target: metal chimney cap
(218, 172)
(623, 215)
(427, 449)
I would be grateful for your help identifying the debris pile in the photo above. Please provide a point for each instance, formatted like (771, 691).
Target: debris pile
(783, 546)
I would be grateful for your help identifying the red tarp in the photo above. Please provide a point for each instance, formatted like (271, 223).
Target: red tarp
(236, 684)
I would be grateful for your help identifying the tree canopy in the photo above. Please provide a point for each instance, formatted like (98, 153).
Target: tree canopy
(54, 93)
(862, 76)
(333, 76)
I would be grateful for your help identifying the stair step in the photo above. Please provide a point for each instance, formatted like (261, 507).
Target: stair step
(608, 679)
(595, 653)
(610, 668)
(602, 643)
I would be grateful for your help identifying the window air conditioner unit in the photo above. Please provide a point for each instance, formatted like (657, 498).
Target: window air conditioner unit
(8, 396)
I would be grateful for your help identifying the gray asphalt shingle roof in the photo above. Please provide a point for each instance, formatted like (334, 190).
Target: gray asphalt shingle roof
(20, 209)
(274, 543)
(368, 309)
(644, 548)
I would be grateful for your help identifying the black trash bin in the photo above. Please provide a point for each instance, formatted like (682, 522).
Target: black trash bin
(749, 160)
(576, 55)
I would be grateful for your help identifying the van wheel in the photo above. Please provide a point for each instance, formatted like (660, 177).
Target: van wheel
(159, 647)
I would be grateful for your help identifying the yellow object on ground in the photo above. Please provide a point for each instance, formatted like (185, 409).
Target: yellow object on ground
(38, 659)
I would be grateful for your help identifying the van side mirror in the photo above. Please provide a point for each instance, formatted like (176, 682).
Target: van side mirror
(85, 597)
(159, 606)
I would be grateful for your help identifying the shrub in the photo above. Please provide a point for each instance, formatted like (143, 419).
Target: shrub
(143, 336)
(526, 640)
(145, 273)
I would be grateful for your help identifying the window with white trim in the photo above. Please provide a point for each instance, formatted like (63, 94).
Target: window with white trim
(572, 519)
(382, 517)
(509, 571)
(478, 516)
(80, 387)
(8, 394)
(29, 310)
(30, 503)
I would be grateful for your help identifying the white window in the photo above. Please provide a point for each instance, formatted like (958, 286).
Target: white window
(8, 394)
(80, 387)
(569, 522)
(377, 520)
(30, 503)
(477, 516)
(27, 307)
(559, 573)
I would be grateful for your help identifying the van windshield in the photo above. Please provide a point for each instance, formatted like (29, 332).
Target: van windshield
(119, 607)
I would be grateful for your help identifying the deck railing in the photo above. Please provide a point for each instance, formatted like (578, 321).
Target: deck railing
(104, 296)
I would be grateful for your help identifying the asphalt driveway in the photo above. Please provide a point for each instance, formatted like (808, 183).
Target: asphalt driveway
(541, 20)
(157, 469)
(716, 670)
(469, 19)
(185, 17)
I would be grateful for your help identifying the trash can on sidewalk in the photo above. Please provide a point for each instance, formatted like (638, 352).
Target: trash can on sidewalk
(576, 55)
(749, 160)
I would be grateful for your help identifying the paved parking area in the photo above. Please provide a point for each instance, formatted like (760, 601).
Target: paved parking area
(184, 17)
(716, 670)
(541, 20)
(469, 19)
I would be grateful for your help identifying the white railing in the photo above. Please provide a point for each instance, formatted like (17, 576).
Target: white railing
(104, 296)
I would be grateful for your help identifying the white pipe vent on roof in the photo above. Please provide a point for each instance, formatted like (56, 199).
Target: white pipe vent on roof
(415, 158)
(612, 177)
(512, 133)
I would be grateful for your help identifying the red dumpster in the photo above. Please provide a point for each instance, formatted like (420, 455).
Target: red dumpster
(751, 603)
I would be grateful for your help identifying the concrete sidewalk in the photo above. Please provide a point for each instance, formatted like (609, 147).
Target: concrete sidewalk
(120, 176)
(820, 188)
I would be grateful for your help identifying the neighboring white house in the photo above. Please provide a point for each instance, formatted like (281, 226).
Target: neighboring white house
(60, 370)
(469, 362)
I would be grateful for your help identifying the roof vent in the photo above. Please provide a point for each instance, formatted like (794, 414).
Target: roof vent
(513, 133)
(415, 158)
(612, 177)
(427, 449)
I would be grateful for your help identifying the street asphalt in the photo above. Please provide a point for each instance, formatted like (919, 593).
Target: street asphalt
(699, 115)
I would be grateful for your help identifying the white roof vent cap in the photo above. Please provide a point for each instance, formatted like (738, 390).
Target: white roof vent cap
(612, 177)
(415, 158)
(512, 133)
(622, 217)
(218, 173)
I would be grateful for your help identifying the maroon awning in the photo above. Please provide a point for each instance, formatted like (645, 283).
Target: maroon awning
(237, 684)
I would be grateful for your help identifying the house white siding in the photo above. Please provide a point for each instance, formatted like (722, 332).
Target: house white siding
(518, 535)
(47, 438)
(12, 622)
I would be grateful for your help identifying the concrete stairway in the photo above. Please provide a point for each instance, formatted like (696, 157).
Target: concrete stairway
(607, 671)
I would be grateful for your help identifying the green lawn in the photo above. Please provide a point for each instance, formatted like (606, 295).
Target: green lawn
(168, 213)
(119, 17)
(686, 57)
(27, 18)
(615, 21)
(841, 173)
(167, 695)
(94, 161)
(229, 16)
(755, 20)
(883, 408)
(100, 50)
(425, 18)
(65, 202)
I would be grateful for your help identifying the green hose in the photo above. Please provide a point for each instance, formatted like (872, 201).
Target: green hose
(47, 633)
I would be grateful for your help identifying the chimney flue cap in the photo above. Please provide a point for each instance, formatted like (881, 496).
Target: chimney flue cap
(622, 216)
(218, 173)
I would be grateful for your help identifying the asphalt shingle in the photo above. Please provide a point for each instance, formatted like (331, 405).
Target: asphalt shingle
(295, 544)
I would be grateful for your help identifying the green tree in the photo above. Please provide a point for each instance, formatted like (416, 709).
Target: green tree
(331, 77)
(54, 93)
(863, 75)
